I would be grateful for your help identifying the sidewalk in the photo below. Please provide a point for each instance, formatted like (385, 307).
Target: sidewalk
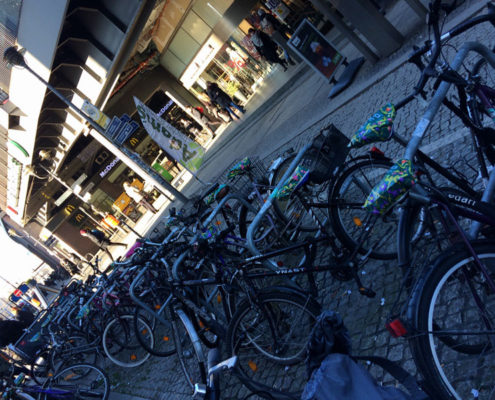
(289, 116)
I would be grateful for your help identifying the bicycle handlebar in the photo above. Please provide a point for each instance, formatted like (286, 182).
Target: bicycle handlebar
(428, 71)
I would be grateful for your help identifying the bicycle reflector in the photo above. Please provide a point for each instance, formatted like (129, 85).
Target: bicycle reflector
(375, 150)
(396, 328)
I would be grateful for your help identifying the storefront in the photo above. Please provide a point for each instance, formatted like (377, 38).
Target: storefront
(233, 62)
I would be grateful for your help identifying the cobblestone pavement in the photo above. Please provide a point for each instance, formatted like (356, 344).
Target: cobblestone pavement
(447, 141)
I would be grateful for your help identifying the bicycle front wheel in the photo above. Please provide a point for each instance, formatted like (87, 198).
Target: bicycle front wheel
(121, 344)
(353, 225)
(270, 339)
(189, 350)
(80, 381)
(454, 313)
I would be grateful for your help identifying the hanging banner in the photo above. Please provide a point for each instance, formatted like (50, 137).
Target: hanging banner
(184, 150)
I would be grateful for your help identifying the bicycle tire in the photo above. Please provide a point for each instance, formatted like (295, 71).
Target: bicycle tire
(278, 315)
(452, 279)
(67, 353)
(163, 344)
(189, 352)
(41, 367)
(21, 396)
(349, 220)
(290, 210)
(77, 380)
(120, 341)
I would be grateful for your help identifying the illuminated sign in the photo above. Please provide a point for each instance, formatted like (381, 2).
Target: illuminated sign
(14, 176)
(202, 59)
(165, 108)
(109, 167)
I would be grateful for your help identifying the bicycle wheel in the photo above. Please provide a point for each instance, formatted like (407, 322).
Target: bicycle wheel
(80, 381)
(269, 337)
(75, 350)
(21, 396)
(189, 351)
(41, 368)
(351, 222)
(453, 312)
(163, 344)
(121, 344)
(291, 211)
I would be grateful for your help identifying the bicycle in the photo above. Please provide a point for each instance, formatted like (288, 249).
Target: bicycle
(80, 381)
(460, 276)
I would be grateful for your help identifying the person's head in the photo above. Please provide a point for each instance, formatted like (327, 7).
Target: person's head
(127, 183)
(251, 31)
(83, 232)
(261, 12)
(209, 83)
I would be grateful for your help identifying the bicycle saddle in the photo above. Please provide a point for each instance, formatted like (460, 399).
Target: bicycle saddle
(378, 128)
(240, 168)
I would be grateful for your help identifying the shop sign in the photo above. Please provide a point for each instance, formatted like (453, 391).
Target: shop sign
(14, 177)
(202, 59)
(109, 167)
(163, 172)
(278, 7)
(315, 49)
(175, 143)
(165, 108)
(95, 114)
(127, 130)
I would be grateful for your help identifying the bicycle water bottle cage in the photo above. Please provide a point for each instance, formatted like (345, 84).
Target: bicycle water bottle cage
(295, 181)
(396, 182)
(240, 168)
(220, 192)
(378, 128)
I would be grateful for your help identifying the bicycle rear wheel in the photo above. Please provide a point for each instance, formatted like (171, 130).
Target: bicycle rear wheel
(453, 312)
(80, 381)
(350, 221)
(121, 344)
(270, 339)
(189, 351)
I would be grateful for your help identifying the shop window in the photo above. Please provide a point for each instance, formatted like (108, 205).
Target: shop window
(102, 201)
(196, 27)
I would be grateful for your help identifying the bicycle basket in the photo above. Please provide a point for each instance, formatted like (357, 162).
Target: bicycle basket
(327, 152)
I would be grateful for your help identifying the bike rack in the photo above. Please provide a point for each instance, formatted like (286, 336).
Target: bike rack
(257, 219)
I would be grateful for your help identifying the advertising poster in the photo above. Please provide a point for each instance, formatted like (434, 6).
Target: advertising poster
(315, 49)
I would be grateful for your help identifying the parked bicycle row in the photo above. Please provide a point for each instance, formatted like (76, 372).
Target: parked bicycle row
(238, 272)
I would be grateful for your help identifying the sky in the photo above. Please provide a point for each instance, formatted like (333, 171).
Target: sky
(17, 263)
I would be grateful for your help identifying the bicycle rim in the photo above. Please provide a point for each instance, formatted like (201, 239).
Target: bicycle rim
(270, 340)
(349, 219)
(455, 308)
(121, 344)
(80, 381)
(189, 351)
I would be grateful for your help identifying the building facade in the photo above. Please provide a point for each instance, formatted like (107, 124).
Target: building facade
(57, 174)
